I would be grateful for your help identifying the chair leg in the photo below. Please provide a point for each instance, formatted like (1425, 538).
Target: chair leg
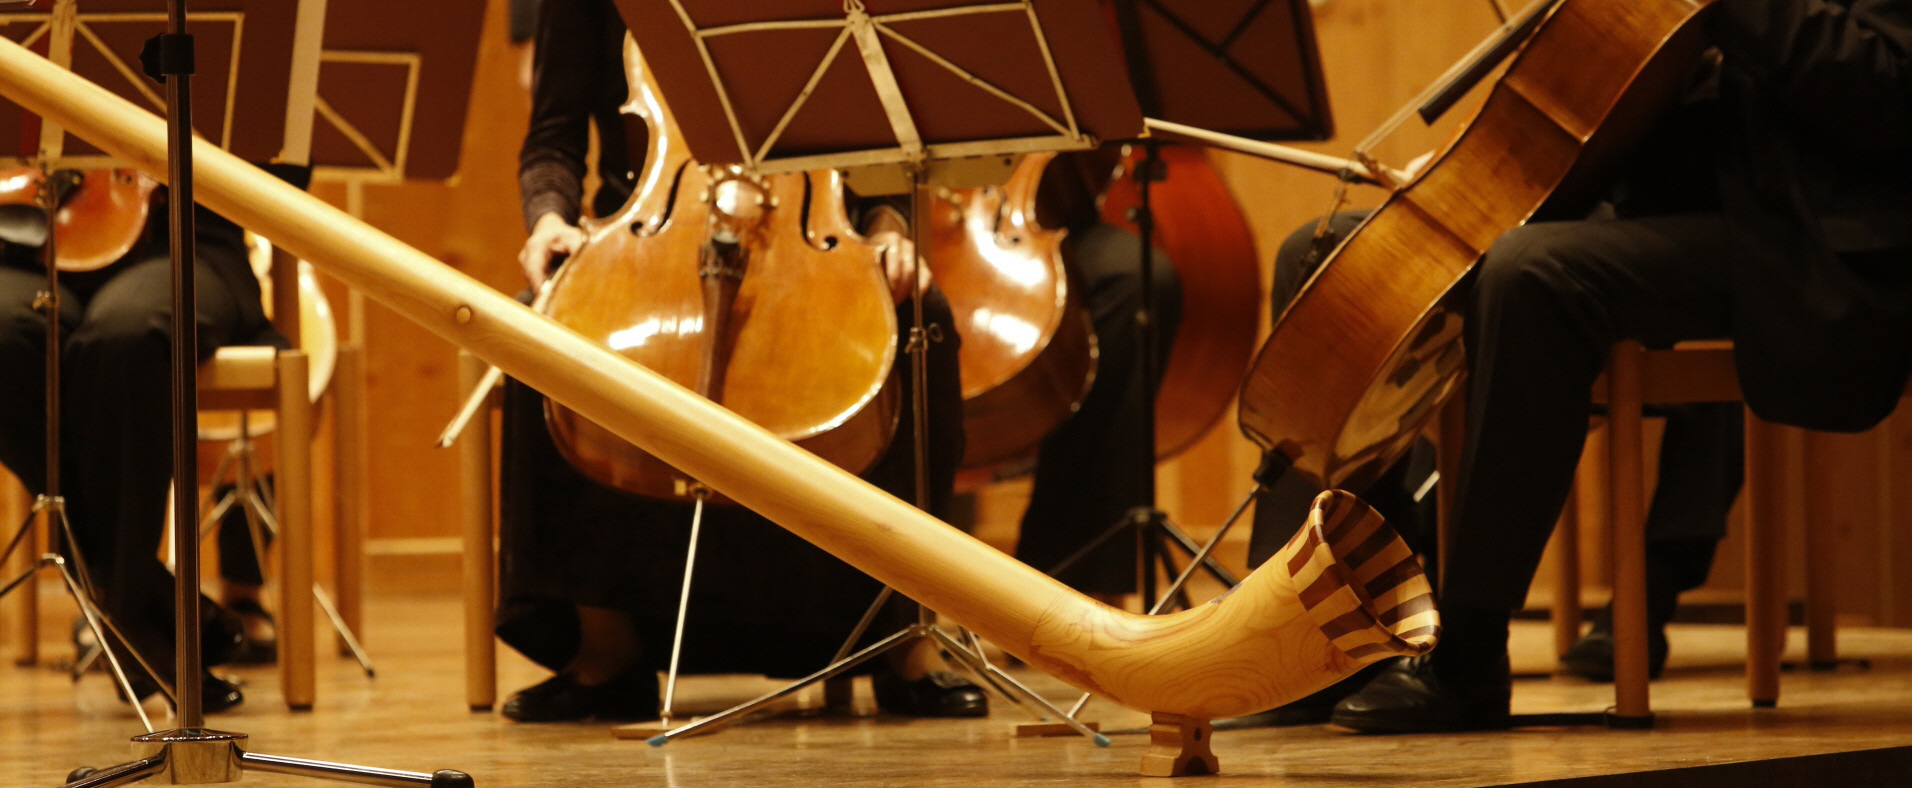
(293, 487)
(480, 573)
(349, 510)
(1766, 504)
(1567, 614)
(1822, 648)
(1632, 707)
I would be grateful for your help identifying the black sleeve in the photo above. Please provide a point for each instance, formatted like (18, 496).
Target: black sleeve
(577, 71)
(1839, 65)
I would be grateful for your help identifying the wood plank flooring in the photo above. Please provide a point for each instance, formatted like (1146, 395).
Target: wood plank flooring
(412, 716)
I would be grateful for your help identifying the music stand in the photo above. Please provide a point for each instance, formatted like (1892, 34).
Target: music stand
(190, 753)
(899, 96)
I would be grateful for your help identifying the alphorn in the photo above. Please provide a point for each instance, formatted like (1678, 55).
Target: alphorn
(1345, 592)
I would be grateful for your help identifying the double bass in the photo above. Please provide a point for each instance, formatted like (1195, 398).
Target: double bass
(755, 291)
(1202, 229)
(1367, 351)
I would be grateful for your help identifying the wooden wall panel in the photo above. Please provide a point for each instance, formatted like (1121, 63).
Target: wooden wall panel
(471, 223)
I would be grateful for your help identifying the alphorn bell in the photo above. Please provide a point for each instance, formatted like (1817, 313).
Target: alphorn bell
(1345, 592)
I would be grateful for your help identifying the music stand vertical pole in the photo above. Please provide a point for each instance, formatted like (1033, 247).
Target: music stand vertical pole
(176, 63)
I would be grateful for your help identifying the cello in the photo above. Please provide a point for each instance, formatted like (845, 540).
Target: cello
(753, 290)
(1028, 352)
(1029, 349)
(1362, 358)
(99, 221)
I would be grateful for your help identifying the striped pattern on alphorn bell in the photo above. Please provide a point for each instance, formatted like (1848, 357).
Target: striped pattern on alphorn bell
(1361, 584)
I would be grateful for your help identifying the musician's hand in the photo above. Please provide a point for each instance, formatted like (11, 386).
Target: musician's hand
(887, 230)
(550, 237)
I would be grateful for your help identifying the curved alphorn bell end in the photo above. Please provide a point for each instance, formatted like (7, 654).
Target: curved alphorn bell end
(1344, 592)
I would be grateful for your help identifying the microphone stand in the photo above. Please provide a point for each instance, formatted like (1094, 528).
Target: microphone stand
(191, 754)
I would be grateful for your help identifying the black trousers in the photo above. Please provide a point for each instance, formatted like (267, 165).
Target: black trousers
(1098, 466)
(763, 600)
(116, 432)
(1550, 300)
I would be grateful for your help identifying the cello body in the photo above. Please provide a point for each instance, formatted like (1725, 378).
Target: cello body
(1370, 347)
(101, 220)
(1028, 352)
(1199, 226)
(788, 321)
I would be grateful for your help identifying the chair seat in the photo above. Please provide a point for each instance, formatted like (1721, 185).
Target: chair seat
(240, 377)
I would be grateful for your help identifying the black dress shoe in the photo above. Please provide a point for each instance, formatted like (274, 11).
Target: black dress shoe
(258, 634)
(1312, 709)
(939, 693)
(1414, 695)
(1591, 657)
(215, 694)
(630, 696)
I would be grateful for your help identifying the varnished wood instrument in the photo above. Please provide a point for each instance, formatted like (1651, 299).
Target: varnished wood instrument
(100, 221)
(1028, 352)
(1202, 229)
(1301, 621)
(1372, 344)
(754, 291)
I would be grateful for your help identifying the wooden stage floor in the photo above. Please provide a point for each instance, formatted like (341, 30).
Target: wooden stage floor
(1846, 727)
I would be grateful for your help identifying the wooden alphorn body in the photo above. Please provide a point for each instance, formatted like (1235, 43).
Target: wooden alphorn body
(1344, 593)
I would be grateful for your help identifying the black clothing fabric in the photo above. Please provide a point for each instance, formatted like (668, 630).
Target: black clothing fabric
(1814, 183)
(116, 400)
(763, 600)
(1804, 267)
(577, 83)
(1700, 470)
(1097, 468)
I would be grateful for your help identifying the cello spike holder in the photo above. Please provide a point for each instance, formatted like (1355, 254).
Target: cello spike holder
(190, 753)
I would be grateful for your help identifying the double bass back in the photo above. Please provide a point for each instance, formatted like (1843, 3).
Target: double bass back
(1370, 347)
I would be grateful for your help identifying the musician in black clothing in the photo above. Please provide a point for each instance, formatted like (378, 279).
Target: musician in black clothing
(590, 575)
(1699, 475)
(1776, 216)
(116, 408)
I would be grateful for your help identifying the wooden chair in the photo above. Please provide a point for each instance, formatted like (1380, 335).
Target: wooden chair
(1690, 372)
(286, 385)
(478, 514)
(1704, 372)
